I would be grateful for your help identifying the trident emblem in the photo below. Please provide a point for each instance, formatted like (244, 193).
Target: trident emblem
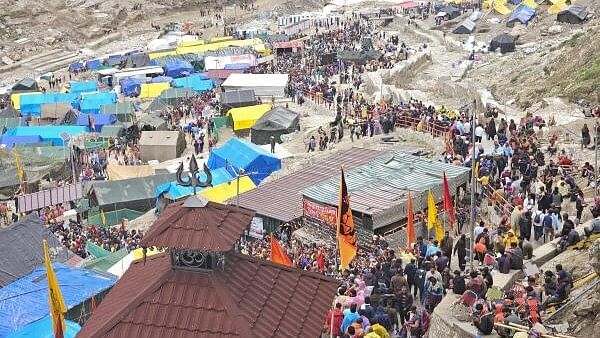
(192, 179)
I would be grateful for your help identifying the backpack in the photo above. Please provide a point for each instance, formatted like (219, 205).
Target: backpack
(537, 218)
(548, 221)
(486, 323)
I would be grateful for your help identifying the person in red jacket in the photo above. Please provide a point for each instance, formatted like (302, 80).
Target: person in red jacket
(338, 316)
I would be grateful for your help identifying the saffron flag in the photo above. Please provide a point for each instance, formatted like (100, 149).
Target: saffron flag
(55, 299)
(410, 226)
(448, 205)
(102, 217)
(432, 218)
(346, 233)
(278, 255)
(19, 167)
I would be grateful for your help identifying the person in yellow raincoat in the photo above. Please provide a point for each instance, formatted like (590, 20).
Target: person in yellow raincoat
(510, 238)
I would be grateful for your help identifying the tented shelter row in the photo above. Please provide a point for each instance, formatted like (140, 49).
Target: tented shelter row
(55, 111)
(77, 87)
(245, 117)
(32, 104)
(15, 98)
(96, 120)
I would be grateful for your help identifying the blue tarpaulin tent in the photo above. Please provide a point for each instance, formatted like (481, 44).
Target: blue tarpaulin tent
(77, 87)
(43, 329)
(174, 191)
(32, 104)
(160, 79)
(195, 82)
(76, 67)
(48, 133)
(522, 14)
(237, 66)
(131, 86)
(26, 300)
(9, 141)
(240, 154)
(91, 102)
(178, 68)
(93, 64)
(100, 120)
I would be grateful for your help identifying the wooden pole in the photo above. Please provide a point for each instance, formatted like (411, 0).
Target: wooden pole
(522, 328)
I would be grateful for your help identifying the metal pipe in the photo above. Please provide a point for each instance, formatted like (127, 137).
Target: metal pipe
(473, 182)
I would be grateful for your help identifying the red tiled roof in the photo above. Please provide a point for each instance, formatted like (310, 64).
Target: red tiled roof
(215, 227)
(249, 298)
(281, 199)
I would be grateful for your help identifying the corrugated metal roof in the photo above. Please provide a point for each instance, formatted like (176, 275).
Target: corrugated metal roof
(380, 188)
(282, 199)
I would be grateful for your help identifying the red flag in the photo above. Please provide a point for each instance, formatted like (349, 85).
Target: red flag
(448, 205)
(93, 303)
(58, 329)
(410, 227)
(278, 255)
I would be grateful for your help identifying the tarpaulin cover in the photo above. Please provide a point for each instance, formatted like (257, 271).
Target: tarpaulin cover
(131, 86)
(91, 103)
(48, 133)
(137, 60)
(124, 111)
(121, 172)
(26, 84)
(240, 154)
(245, 117)
(43, 329)
(93, 64)
(15, 99)
(238, 66)
(83, 86)
(104, 263)
(195, 82)
(174, 191)
(100, 120)
(522, 14)
(32, 104)
(10, 141)
(161, 78)
(238, 98)
(114, 217)
(26, 300)
(151, 90)
(159, 104)
(77, 66)
(114, 60)
(178, 68)
(95, 250)
(224, 191)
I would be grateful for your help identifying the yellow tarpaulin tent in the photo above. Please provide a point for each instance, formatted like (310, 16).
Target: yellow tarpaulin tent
(224, 191)
(121, 172)
(158, 54)
(529, 3)
(221, 38)
(245, 117)
(214, 46)
(191, 43)
(15, 99)
(557, 7)
(148, 90)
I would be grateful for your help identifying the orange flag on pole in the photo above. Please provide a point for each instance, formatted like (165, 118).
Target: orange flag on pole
(346, 233)
(278, 255)
(410, 227)
(448, 205)
(93, 303)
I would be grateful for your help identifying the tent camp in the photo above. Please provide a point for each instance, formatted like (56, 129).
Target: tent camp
(99, 120)
(245, 117)
(161, 145)
(465, 27)
(21, 249)
(55, 111)
(504, 42)
(522, 14)
(78, 87)
(91, 102)
(573, 14)
(194, 81)
(238, 154)
(48, 133)
(276, 122)
(133, 193)
(25, 85)
(237, 98)
(178, 68)
(152, 122)
(270, 85)
(450, 12)
(123, 111)
(172, 95)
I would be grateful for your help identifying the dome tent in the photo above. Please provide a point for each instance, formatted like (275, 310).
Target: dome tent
(276, 122)
(505, 42)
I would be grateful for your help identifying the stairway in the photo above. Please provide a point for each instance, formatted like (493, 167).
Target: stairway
(50, 61)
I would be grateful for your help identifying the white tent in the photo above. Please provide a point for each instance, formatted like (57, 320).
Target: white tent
(262, 84)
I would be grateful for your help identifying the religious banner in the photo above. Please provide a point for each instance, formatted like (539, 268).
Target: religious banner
(324, 213)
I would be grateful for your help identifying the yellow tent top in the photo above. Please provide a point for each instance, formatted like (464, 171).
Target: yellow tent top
(158, 54)
(139, 253)
(15, 99)
(191, 43)
(224, 191)
(245, 117)
(150, 90)
(221, 38)
(529, 3)
(215, 46)
(557, 7)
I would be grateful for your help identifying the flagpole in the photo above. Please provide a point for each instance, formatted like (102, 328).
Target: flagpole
(473, 182)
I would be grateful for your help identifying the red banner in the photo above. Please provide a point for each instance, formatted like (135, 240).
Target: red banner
(320, 212)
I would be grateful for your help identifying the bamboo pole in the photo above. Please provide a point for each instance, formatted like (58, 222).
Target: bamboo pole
(522, 328)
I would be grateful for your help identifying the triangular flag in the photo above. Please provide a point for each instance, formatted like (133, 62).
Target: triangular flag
(278, 255)
(410, 226)
(55, 299)
(448, 205)
(346, 233)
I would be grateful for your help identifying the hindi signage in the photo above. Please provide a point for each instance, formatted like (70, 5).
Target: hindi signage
(325, 213)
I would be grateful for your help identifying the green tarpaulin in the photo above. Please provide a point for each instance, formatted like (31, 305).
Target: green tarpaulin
(95, 250)
(114, 217)
(106, 262)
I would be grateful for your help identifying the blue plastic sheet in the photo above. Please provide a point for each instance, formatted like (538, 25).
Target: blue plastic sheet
(48, 133)
(10, 141)
(43, 329)
(91, 102)
(178, 68)
(131, 86)
(83, 86)
(196, 82)
(176, 191)
(100, 120)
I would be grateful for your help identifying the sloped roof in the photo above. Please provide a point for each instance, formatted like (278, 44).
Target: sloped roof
(159, 138)
(467, 26)
(248, 298)
(277, 118)
(132, 189)
(238, 97)
(214, 227)
(22, 252)
(579, 11)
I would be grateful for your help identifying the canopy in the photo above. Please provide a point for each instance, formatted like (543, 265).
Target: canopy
(522, 14)
(48, 133)
(573, 14)
(83, 86)
(99, 120)
(465, 27)
(113, 217)
(26, 300)
(27, 84)
(172, 95)
(137, 60)
(115, 130)
(162, 78)
(11, 141)
(157, 106)
(120, 172)
(222, 192)
(505, 42)
(276, 122)
(123, 111)
(195, 82)
(239, 154)
(131, 86)
(174, 191)
(91, 103)
(151, 90)
(43, 329)
(178, 68)
(245, 117)
(238, 98)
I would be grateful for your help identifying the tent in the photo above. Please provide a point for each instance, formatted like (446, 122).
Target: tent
(83, 86)
(76, 67)
(573, 14)
(151, 90)
(270, 85)
(195, 81)
(237, 98)
(152, 122)
(9, 112)
(91, 102)
(172, 95)
(105, 262)
(25, 85)
(358, 57)
(115, 130)
(161, 145)
(174, 191)
(100, 120)
(465, 27)
(238, 154)
(123, 111)
(15, 98)
(117, 172)
(131, 86)
(32, 104)
(70, 117)
(276, 122)
(26, 300)
(504, 42)
(48, 133)
(95, 250)
(222, 192)
(178, 68)
(522, 14)
(157, 106)
(162, 78)
(113, 217)
(54, 111)
(137, 60)
(43, 329)
(11, 141)
(93, 64)
(245, 117)
(451, 12)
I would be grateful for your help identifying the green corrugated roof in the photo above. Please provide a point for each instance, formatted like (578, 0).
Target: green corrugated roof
(106, 262)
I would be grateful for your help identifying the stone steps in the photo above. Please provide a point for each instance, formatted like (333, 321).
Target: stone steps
(59, 64)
